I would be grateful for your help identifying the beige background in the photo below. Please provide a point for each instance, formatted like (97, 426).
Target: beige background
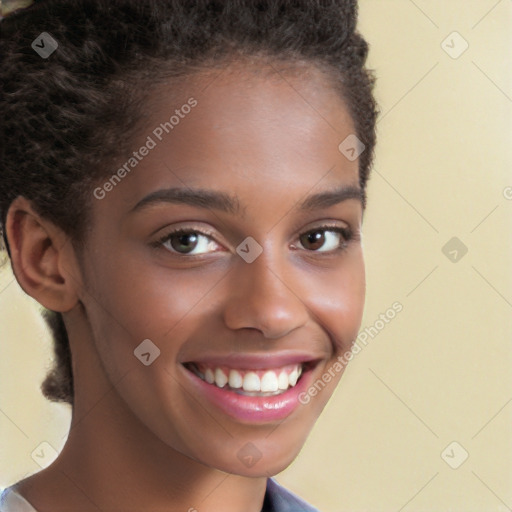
(440, 371)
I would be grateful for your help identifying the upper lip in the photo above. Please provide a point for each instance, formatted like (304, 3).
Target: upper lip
(248, 361)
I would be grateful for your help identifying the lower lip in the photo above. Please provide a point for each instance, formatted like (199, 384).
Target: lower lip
(252, 409)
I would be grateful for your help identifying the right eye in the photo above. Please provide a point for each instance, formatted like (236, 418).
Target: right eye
(185, 241)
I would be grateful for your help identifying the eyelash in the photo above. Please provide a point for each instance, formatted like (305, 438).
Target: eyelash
(347, 237)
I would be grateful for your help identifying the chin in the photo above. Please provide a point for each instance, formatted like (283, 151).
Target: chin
(249, 461)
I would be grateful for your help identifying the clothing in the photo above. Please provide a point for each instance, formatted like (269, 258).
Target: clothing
(11, 501)
(277, 499)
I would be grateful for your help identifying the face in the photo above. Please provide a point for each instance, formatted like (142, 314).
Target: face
(224, 267)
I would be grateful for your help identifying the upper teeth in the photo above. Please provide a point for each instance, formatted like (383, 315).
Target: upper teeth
(264, 381)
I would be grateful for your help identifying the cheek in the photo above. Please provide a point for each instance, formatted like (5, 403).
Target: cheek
(148, 298)
(130, 303)
(338, 300)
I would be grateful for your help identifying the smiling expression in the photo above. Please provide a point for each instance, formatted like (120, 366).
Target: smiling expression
(254, 166)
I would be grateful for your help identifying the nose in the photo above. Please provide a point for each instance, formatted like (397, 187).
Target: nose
(264, 297)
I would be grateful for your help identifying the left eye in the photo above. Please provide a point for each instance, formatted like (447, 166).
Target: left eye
(185, 241)
(318, 238)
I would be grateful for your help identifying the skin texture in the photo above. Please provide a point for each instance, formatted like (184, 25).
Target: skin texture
(139, 439)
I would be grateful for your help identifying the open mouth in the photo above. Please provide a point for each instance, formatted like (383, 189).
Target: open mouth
(268, 382)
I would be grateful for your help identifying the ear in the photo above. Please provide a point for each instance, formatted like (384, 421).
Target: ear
(42, 256)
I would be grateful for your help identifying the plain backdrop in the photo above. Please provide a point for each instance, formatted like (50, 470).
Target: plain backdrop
(421, 418)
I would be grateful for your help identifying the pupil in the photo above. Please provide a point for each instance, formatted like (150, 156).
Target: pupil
(182, 244)
(316, 238)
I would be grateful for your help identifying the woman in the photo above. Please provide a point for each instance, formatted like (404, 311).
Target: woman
(182, 190)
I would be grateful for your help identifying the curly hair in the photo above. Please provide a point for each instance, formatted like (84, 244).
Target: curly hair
(62, 116)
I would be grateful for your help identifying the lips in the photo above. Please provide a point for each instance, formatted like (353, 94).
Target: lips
(251, 388)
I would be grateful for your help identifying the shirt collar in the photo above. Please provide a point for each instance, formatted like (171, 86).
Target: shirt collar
(279, 499)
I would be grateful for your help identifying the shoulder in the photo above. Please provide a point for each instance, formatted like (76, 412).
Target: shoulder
(11, 501)
(279, 499)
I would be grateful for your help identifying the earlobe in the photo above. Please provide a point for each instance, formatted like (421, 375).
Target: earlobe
(41, 256)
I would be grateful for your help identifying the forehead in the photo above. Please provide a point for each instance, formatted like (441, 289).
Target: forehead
(266, 133)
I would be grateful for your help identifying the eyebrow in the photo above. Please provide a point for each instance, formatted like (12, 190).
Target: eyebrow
(222, 201)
